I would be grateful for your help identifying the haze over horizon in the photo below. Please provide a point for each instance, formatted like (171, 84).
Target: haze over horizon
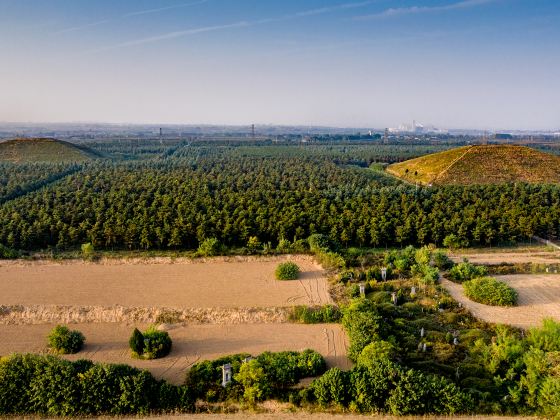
(371, 63)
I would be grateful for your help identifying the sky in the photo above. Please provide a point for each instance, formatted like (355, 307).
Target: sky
(485, 64)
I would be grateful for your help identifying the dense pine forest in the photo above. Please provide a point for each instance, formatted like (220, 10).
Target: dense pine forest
(147, 195)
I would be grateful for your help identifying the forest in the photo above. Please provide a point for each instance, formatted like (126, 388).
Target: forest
(174, 196)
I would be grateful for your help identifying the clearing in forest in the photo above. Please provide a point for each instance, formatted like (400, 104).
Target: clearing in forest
(539, 298)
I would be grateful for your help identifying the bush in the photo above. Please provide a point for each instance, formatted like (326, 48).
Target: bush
(287, 271)
(466, 271)
(332, 387)
(490, 291)
(88, 251)
(442, 261)
(136, 341)
(363, 324)
(65, 341)
(375, 352)
(8, 253)
(547, 337)
(315, 315)
(152, 344)
(49, 386)
(331, 260)
(209, 247)
(319, 243)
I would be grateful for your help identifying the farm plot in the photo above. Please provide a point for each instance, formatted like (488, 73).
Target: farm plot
(216, 283)
(536, 256)
(109, 343)
(539, 298)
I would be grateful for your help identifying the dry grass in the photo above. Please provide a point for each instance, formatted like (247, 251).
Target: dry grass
(539, 298)
(40, 150)
(481, 165)
(537, 255)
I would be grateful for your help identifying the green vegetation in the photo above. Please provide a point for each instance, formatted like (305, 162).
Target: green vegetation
(177, 201)
(490, 291)
(152, 344)
(315, 314)
(269, 375)
(65, 341)
(42, 150)
(466, 271)
(49, 386)
(8, 253)
(209, 247)
(481, 165)
(287, 271)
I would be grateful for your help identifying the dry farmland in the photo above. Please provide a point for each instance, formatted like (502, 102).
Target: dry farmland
(539, 298)
(191, 343)
(184, 284)
(222, 307)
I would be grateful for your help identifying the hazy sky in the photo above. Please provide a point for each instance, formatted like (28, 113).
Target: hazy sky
(451, 63)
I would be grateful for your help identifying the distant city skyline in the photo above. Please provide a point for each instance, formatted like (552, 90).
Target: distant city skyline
(453, 64)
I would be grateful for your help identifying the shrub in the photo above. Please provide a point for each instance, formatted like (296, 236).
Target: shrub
(319, 243)
(363, 324)
(331, 260)
(136, 341)
(442, 261)
(65, 341)
(547, 337)
(154, 344)
(8, 253)
(88, 251)
(209, 247)
(284, 246)
(252, 377)
(466, 271)
(50, 386)
(489, 291)
(332, 387)
(315, 315)
(375, 352)
(287, 271)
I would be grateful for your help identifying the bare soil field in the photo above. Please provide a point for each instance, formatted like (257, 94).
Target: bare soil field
(542, 256)
(539, 298)
(191, 343)
(215, 283)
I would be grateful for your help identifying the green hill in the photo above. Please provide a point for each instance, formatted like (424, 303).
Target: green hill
(42, 150)
(493, 164)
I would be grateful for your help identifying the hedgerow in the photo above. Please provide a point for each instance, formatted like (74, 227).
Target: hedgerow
(490, 291)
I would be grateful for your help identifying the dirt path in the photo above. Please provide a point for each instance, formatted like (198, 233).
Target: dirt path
(191, 343)
(212, 284)
(539, 298)
(537, 256)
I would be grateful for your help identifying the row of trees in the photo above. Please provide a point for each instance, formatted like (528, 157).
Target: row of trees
(180, 202)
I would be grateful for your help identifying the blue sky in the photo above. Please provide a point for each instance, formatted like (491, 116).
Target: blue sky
(491, 64)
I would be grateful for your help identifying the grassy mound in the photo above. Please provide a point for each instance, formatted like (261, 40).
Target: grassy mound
(481, 165)
(42, 150)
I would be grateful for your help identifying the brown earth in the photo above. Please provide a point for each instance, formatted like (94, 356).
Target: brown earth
(108, 342)
(216, 283)
(537, 256)
(539, 298)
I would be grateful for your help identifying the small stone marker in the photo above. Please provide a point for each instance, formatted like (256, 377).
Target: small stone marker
(394, 298)
(424, 347)
(362, 290)
(226, 374)
(422, 332)
(455, 341)
(384, 274)
(413, 291)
